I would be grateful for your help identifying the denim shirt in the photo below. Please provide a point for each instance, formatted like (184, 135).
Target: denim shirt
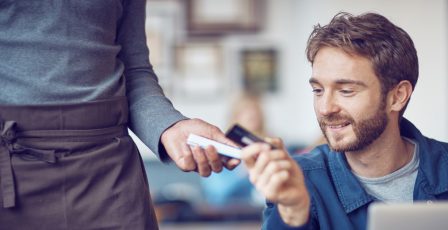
(338, 201)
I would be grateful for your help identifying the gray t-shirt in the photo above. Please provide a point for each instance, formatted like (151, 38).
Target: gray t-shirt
(55, 51)
(397, 186)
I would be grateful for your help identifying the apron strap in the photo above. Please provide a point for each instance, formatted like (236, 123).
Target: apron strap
(7, 135)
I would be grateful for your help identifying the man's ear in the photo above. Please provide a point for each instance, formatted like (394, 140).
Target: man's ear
(399, 95)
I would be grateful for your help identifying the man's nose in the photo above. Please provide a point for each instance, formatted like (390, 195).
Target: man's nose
(327, 105)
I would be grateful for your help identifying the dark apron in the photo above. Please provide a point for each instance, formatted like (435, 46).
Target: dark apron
(71, 167)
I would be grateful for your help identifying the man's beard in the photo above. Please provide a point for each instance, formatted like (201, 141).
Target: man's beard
(366, 131)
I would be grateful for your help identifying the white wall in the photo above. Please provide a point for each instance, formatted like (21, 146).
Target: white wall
(289, 112)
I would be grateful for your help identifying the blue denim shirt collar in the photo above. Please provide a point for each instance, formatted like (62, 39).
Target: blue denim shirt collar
(435, 179)
(350, 192)
(433, 168)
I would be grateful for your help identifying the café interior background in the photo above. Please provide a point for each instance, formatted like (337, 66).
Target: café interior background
(206, 52)
(202, 72)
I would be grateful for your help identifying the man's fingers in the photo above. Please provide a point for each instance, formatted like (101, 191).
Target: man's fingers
(274, 141)
(257, 170)
(250, 153)
(257, 157)
(270, 171)
(275, 183)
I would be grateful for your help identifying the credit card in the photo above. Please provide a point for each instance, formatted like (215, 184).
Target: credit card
(242, 136)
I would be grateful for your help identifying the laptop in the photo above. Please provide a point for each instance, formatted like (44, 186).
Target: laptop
(409, 216)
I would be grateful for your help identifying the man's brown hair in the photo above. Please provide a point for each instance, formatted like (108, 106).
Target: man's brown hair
(388, 47)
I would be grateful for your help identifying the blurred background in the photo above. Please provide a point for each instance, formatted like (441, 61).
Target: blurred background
(211, 54)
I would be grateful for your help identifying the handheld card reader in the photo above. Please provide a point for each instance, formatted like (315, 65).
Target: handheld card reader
(223, 149)
(237, 134)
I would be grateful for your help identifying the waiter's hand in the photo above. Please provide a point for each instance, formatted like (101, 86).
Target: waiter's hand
(279, 179)
(187, 158)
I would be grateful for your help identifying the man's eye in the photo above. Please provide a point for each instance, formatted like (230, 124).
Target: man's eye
(346, 92)
(317, 91)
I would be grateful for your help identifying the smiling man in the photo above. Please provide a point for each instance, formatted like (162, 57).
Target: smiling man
(364, 70)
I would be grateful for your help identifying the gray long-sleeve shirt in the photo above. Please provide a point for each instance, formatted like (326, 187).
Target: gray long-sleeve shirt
(62, 51)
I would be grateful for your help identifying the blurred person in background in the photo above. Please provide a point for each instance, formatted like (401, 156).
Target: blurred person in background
(75, 76)
(247, 110)
(364, 71)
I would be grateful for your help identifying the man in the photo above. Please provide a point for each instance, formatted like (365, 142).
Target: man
(74, 77)
(364, 70)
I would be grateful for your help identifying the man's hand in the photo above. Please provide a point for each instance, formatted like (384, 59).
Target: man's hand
(279, 179)
(204, 161)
